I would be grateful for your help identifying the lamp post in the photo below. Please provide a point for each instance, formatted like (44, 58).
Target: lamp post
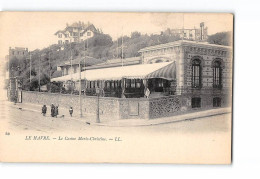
(15, 79)
(97, 116)
(50, 66)
(39, 72)
(80, 100)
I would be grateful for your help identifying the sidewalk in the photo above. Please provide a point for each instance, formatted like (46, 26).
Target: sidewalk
(165, 120)
(62, 111)
(131, 122)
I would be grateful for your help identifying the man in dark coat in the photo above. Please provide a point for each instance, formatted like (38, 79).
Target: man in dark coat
(52, 110)
(56, 111)
(44, 110)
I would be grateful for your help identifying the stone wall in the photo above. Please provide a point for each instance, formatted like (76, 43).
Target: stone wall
(132, 108)
(166, 106)
(128, 108)
(108, 107)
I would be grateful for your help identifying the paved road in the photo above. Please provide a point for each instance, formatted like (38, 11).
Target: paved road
(33, 121)
(208, 139)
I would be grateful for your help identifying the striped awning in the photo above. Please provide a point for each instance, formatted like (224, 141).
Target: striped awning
(143, 71)
(168, 72)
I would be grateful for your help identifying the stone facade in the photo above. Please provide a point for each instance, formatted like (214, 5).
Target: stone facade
(162, 107)
(182, 53)
(18, 52)
(187, 98)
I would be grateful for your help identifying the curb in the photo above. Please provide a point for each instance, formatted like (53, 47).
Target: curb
(159, 123)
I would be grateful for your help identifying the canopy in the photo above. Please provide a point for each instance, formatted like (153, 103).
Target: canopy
(144, 71)
(168, 72)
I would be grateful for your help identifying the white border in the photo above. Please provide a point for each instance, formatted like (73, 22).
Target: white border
(246, 146)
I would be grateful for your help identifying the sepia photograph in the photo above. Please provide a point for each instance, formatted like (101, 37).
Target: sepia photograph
(116, 87)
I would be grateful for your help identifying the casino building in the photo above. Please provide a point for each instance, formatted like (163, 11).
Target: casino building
(167, 79)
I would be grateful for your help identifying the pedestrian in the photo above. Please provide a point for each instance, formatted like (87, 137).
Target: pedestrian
(56, 111)
(147, 92)
(52, 110)
(44, 110)
(71, 111)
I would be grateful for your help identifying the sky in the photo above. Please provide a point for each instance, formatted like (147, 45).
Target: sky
(36, 29)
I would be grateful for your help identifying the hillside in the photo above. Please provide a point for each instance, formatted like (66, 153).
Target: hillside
(100, 46)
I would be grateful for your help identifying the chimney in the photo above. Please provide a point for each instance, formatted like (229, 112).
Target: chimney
(201, 31)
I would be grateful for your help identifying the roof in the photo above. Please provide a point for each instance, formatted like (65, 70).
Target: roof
(60, 31)
(83, 26)
(117, 62)
(90, 27)
(182, 42)
(82, 60)
(117, 73)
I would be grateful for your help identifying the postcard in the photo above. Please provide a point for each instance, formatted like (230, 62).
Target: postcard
(116, 87)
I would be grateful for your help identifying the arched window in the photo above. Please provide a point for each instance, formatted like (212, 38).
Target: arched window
(217, 74)
(158, 61)
(196, 73)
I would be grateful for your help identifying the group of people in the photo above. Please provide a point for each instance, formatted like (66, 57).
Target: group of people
(54, 110)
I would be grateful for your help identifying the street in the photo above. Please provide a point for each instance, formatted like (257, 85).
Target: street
(25, 120)
(207, 140)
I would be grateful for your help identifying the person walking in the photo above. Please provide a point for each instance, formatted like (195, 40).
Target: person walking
(71, 111)
(44, 110)
(56, 111)
(147, 92)
(52, 110)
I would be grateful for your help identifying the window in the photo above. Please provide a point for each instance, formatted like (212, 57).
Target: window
(196, 102)
(60, 42)
(112, 84)
(196, 73)
(132, 83)
(119, 83)
(217, 74)
(138, 83)
(75, 34)
(75, 69)
(127, 83)
(66, 41)
(60, 35)
(88, 33)
(160, 82)
(107, 84)
(217, 102)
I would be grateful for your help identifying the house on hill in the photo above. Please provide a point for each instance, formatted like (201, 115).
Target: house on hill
(76, 32)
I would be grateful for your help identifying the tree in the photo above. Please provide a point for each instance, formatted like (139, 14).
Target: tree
(220, 38)
(135, 35)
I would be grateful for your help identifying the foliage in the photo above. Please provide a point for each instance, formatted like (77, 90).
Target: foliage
(101, 46)
(221, 38)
